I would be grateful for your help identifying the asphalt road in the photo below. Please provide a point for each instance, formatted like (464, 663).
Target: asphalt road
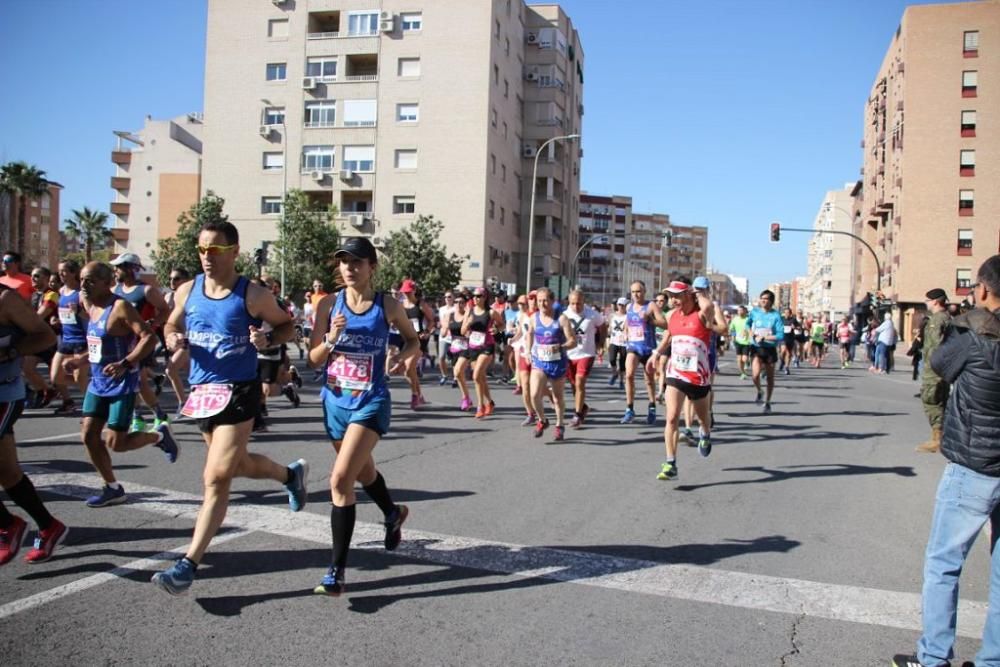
(798, 542)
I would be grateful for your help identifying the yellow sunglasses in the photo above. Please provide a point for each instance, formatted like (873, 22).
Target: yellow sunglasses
(215, 249)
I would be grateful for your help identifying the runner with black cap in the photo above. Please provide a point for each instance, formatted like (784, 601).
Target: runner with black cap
(350, 339)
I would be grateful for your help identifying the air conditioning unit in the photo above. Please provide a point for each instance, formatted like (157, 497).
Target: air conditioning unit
(532, 38)
(265, 130)
(309, 83)
(385, 16)
(531, 75)
(378, 241)
(528, 150)
(387, 25)
(356, 220)
(346, 175)
(317, 175)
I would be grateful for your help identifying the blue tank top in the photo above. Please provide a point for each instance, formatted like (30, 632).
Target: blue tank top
(356, 368)
(137, 297)
(11, 380)
(104, 349)
(218, 333)
(548, 352)
(641, 333)
(73, 332)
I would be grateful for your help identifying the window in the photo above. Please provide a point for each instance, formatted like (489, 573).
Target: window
(503, 173)
(496, 74)
(407, 113)
(277, 29)
(323, 68)
(362, 23)
(409, 67)
(321, 114)
(492, 209)
(963, 281)
(493, 117)
(970, 45)
(496, 29)
(276, 72)
(506, 88)
(968, 123)
(274, 115)
(503, 215)
(966, 202)
(412, 22)
(358, 158)
(493, 164)
(406, 158)
(970, 79)
(274, 161)
(506, 47)
(505, 129)
(402, 204)
(967, 163)
(270, 205)
(317, 158)
(965, 242)
(360, 113)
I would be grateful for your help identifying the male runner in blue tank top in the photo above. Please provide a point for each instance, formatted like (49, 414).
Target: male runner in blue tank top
(350, 339)
(641, 318)
(117, 338)
(219, 315)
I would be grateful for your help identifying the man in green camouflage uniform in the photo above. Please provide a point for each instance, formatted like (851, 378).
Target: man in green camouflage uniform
(933, 390)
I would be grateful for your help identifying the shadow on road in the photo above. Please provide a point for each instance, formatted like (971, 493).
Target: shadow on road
(802, 471)
(322, 495)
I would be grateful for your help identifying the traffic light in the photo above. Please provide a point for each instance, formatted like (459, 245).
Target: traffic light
(260, 253)
(775, 232)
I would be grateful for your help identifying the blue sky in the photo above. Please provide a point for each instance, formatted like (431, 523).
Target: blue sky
(723, 113)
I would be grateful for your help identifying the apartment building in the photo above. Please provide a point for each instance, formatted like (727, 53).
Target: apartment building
(648, 248)
(398, 110)
(786, 295)
(928, 200)
(688, 251)
(725, 291)
(41, 244)
(603, 225)
(828, 284)
(742, 285)
(157, 177)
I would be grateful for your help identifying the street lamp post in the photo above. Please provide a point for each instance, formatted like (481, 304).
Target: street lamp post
(572, 269)
(284, 190)
(531, 206)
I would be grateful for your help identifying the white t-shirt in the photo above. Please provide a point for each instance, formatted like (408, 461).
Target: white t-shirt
(307, 314)
(618, 334)
(443, 313)
(585, 326)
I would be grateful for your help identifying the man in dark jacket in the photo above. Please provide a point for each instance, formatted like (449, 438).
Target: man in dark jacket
(969, 493)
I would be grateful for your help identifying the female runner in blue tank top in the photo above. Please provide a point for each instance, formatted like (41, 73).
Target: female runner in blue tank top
(548, 339)
(350, 339)
(73, 337)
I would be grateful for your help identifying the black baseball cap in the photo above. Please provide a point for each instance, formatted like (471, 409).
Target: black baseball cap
(937, 294)
(357, 246)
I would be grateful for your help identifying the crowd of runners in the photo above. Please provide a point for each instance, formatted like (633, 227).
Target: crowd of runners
(221, 341)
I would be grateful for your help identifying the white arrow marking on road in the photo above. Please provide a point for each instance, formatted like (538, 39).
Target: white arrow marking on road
(685, 582)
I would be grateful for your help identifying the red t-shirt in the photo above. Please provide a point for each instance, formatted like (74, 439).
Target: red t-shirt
(20, 282)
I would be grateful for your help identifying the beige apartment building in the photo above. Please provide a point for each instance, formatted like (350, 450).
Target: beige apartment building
(827, 286)
(157, 177)
(41, 245)
(604, 222)
(928, 201)
(392, 110)
(688, 252)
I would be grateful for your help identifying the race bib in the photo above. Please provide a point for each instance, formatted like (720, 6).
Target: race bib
(94, 349)
(551, 352)
(207, 400)
(415, 323)
(684, 362)
(350, 370)
(636, 333)
(67, 316)
(788, 330)
(761, 332)
(477, 339)
(458, 345)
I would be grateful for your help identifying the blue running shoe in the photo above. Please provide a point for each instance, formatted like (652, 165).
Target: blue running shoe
(705, 445)
(394, 525)
(628, 417)
(651, 415)
(611, 381)
(107, 496)
(332, 583)
(296, 486)
(767, 408)
(167, 443)
(177, 578)
(688, 435)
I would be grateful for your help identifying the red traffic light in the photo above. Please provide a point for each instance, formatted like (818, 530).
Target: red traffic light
(775, 232)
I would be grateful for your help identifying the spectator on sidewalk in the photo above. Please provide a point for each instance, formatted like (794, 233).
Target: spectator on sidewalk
(933, 390)
(885, 343)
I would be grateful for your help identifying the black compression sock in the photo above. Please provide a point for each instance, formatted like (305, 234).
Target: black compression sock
(631, 406)
(23, 493)
(380, 494)
(341, 528)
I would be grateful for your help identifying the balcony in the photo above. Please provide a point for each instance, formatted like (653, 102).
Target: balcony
(120, 183)
(121, 158)
(120, 208)
(120, 234)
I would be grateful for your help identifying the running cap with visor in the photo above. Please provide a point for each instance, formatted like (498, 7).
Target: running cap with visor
(408, 286)
(622, 301)
(127, 258)
(676, 287)
(359, 247)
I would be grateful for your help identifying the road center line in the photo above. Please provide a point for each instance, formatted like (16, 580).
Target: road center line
(685, 582)
(51, 438)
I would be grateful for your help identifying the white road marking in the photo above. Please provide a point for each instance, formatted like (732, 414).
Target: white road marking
(151, 563)
(51, 438)
(685, 582)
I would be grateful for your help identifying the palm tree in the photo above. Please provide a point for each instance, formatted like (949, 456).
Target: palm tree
(89, 227)
(24, 181)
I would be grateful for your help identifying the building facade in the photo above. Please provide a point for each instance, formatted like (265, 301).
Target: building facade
(41, 245)
(405, 110)
(688, 252)
(928, 201)
(157, 177)
(828, 284)
(604, 225)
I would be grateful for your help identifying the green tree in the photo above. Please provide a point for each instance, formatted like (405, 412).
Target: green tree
(307, 240)
(415, 252)
(90, 227)
(24, 181)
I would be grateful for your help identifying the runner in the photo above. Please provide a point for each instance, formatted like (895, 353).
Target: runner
(21, 332)
(765, 324)
(117, 339)
(479, 326)
(46, 303)
(149, 303)
(526, 310)
(641, 319)
(618, 344)
(511, 314)
(421, 317)
(817, 335)
(589, 329)
(801, 338)
(179, 360)
(549, 338)
(350, 338)
(845, 336)
(689, 336)
(660, 365)
(72, 336)
(458, 350)
(272, 363)
(218, 315)
(741, 339)
(444, 336)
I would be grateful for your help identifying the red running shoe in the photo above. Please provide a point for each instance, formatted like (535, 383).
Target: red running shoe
(10, 539)
(47, 541)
